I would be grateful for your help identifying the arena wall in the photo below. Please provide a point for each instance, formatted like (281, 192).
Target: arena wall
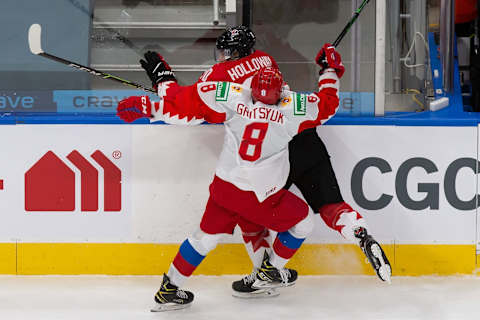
(117, 199)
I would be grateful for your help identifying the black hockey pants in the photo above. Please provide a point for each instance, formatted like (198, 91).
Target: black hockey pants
(311, 170)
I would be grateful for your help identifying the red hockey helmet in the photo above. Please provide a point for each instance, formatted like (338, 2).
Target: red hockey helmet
(267, 85)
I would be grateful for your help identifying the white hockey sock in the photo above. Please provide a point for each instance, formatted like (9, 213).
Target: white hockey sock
(176, 278)
(277, 261)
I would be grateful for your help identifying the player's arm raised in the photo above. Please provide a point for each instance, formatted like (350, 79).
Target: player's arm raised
(322, 105)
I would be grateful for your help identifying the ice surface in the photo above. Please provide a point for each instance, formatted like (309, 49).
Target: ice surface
(313, 297)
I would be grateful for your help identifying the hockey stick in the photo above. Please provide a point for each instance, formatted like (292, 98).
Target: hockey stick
(323, 59)
(35, 44)
(114, 32)
(350, 23)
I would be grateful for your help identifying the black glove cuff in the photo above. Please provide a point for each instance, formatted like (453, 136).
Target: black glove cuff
(164, 75)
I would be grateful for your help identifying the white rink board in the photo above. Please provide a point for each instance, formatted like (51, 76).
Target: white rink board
(23, 145)
(166, 171)
(348, 145)
(173, 167)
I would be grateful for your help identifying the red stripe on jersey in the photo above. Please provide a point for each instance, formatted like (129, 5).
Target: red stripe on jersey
(326, 107)
(326, 81)
(332, 92)
(213, 116)
(183, 266)
(282, 250)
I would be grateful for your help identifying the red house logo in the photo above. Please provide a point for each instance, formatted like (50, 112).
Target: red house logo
(50, 183)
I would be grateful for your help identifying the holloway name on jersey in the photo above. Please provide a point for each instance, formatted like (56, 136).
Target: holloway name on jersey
(248, 67)
(238, 70)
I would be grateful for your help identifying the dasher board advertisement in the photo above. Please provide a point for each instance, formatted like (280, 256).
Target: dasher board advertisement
(65, 183)
(413, 184)
(77, 183)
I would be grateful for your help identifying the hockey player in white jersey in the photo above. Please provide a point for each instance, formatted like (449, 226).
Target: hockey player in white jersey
(311, 170)
(253, 167)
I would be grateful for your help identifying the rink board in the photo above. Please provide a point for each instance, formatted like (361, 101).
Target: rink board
(113, 199)
(154, 259)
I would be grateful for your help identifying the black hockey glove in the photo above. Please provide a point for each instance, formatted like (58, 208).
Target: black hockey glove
(157, 68)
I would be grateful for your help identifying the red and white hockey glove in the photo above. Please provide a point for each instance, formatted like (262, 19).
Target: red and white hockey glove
(328, 57)
(133, 108)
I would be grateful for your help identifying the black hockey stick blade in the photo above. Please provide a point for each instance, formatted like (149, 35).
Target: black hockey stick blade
(35, 44)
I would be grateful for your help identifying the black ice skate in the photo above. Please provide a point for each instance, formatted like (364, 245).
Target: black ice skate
(375, 254)
(270, 277)
(243, 288)
(169, 297)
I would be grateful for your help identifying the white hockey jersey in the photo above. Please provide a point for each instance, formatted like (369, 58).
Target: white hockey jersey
(255, 151)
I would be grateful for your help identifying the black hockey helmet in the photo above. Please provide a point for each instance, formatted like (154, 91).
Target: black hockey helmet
(234, 43)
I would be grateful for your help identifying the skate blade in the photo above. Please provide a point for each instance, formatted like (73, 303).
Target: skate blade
(385, 271)
(260, 284)
(159, 307)
(259, 294)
